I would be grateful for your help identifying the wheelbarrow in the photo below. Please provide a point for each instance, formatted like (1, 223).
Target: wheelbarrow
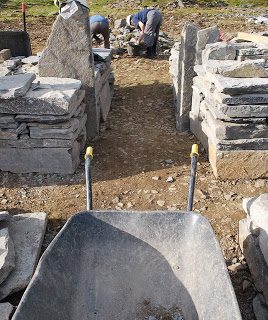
(120, 265)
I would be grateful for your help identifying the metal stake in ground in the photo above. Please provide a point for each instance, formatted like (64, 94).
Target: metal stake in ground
(194, 157)
(23, 10)
(88, 158)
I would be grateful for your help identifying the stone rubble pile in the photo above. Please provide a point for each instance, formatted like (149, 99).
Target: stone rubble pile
(230, 109)
(42, 124)
(21, 237)
(221, 95)
(253, 239)
(122, 34)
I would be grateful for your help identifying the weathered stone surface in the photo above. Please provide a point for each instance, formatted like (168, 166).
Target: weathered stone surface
(235, 86)
(53, 96)
(31, 60)
(8, 134)
(4, 119)
(27, 231)
(197, 130)
(4, 215)
(204, 37)
(7, 254)
(102, 54)
(252, 51)
(237, 69)
(186, 71)
(68, 54)
(232, 131)
(257, 209)
(246, 111)
(6, 310)
(219, 51)
(15, 86)
(105, 101)
(42, 160)
(244, 164)
(5, 54)
(255, 260)
(260, 308)
(4, 71)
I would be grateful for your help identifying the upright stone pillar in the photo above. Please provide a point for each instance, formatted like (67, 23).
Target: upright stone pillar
(69, 55)
(186, 74)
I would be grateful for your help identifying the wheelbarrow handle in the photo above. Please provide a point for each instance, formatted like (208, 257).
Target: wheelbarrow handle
(194, 156)
(88, 158)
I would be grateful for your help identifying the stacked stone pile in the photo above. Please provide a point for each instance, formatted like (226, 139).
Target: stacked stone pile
(21, 237)
(42, 124)
(122, 34)
(230, 108)
(253, 239)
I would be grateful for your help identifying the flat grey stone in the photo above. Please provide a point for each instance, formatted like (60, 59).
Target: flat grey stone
(119, 23)
(238, 86)
(257, 209)
(6, 309)
(260, 308)
(60, 133)
(27, 231)
(233, 131)
(42, 160)
(8, 134)
(246, 111)
(73, 59)
(103, 54)
(6, 119)
(21, 128)
(204, 37)
(4, 215)
(249, 245)
(186, 74)
(15, 86)
(31, 60)
(219, 51)
(7, 254)
(252, 51)
(105, 101)
(53, 96)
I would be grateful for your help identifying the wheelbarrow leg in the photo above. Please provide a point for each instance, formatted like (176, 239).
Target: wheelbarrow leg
(194, 157)
(88, 160)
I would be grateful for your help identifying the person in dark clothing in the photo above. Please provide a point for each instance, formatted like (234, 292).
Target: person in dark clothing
(100, 25)
(149, 22)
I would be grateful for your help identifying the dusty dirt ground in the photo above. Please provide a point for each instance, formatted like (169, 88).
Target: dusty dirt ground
(130, 167)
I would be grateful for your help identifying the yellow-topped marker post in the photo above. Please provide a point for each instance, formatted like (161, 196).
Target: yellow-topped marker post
(88, 160)
(194, 156)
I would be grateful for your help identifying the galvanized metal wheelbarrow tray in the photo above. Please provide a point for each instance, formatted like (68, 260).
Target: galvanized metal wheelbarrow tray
(118, 265)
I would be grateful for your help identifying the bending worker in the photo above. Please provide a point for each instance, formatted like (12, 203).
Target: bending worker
(149, 22)
(100, 25)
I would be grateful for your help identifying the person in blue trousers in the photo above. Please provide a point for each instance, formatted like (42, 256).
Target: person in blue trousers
(100, 25)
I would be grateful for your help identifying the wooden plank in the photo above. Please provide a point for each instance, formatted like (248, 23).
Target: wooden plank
(253, 37)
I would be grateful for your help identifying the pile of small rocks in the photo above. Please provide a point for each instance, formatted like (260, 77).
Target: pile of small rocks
(122, 34)
(253, 239)
(21, 238)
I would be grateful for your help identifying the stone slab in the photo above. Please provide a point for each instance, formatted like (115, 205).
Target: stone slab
(103, 54)
(42, 160)
(31, 60)
(8, 134)
(4, 215)
(105, 101)
(27, 231)
(7, 254)
(6, 119)
(73, 58)
(4, 71)
(186, 73)
(54, 96)
(6, 310)
(244, 164)
(219, 51)
(255, 260)
(236, 86)
(260, 308)
(204, 37)
(15, 86)
(233, 131)
(197, 130)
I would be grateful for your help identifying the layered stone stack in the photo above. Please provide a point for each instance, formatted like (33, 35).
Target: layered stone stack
(42, 124)
(253, 239)
(230, 109)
